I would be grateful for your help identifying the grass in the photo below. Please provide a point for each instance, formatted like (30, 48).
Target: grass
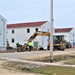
(71, 60)
(54, 70)
(44, 70)
(59, 58)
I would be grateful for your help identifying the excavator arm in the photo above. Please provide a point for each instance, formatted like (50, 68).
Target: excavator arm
(39, 33)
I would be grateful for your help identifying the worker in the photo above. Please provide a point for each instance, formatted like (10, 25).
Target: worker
(17, 44)
(25, 47)
(8, 45)
(57, 40)
(30, 44)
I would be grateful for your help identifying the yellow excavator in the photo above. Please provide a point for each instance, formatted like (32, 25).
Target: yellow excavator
(58, 40)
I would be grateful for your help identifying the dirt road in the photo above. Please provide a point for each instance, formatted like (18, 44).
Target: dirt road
(35, 54)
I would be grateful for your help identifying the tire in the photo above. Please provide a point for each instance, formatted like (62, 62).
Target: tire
(62, 49)
(41, 48)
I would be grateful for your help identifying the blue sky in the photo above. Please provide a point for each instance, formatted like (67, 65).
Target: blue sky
(17, 11)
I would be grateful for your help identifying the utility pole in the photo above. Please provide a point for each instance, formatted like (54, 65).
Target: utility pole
(51, 30)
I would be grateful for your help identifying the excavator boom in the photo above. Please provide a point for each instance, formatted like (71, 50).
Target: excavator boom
(39, 33)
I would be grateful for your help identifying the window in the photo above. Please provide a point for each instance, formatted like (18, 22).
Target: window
(6, 32)
(6, 39)
(28, 30)
(36, 29)
(48, 30)
(12, 40)
(73, 34)
(12, 31)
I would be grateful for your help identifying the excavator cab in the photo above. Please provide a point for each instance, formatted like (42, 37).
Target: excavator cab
(58, 39)
(59, 42)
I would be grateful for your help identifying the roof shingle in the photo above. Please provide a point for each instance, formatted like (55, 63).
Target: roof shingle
(63, 29)
(29, 24)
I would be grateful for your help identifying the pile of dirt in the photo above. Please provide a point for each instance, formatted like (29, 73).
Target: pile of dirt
(8, 50)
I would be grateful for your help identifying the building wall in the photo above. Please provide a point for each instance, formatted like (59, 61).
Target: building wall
(20, 35)
(2, 33)
(72, 36)
(69, 36)
(66, 34)
(45, 39)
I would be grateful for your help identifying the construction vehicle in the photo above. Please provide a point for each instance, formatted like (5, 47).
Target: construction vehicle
(58, 40)
(21, 48)
(38, 33)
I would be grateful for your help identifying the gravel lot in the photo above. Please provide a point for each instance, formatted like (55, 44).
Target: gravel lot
(27, 55)
(5, 70)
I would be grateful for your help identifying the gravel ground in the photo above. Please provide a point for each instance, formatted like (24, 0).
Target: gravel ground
(7, 70)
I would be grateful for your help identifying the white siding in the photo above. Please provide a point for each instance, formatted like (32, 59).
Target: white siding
(20, 35)
(45, 39)
(65, 34)
(72, 35)
(45, 28)
(2, 33)
(69, 36)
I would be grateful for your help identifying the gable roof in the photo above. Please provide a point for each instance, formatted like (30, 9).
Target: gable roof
(63, 29)
(29, 24)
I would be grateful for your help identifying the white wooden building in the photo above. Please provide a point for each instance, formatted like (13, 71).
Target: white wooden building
(21, 32)
(68, 32)
(3, 27)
